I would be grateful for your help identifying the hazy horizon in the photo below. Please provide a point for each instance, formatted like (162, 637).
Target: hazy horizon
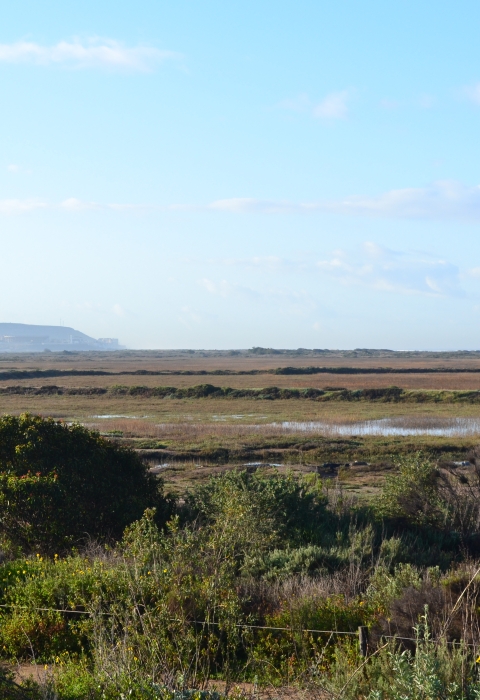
(212, 175)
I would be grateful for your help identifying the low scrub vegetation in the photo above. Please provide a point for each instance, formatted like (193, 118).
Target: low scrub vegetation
(391, 394)
(247, 584)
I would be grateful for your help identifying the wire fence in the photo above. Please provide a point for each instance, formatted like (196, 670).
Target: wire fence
(363, 630)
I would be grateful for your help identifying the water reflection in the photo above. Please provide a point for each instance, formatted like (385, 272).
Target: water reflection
(403, 425)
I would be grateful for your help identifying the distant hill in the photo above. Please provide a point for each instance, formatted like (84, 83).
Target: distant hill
(23, 337)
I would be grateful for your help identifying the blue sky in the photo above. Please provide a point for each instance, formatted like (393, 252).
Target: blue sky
(221, 174)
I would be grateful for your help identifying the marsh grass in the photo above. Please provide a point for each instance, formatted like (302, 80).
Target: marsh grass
(328, 427)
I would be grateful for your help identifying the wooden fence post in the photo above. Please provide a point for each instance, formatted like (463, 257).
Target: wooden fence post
(363, 640)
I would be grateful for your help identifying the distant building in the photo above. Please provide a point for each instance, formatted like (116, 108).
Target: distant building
(113, 342)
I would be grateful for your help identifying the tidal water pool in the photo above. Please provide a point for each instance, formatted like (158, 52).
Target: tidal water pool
(402, 425)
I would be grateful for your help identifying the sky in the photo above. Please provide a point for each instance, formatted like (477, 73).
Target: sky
(219, 174)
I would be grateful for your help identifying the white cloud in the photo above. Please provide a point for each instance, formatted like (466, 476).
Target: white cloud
(245, 205)
(394, 271)
(271, 262)
(189, 316)
(19, 206)
(13, 168)
(474, 272)
(94, 53)
(209, 285)
(293, 302)
(74, 204)
(442, 200)
(226, 289)
(372, 266)
(333, 106)
(118, 310)
(472, 92)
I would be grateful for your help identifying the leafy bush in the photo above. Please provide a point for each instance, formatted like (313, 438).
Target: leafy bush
(412, 494)
(282, 656)
(293, 510)
(62, 483)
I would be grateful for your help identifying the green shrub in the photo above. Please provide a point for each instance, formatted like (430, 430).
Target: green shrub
(62, 483)
(46, 605)
(293, 510)
(412, 494)
(283, 656)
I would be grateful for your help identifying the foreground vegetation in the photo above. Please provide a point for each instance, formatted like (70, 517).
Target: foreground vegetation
(248, 583)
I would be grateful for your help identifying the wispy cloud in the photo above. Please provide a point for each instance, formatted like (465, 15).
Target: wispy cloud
(270, 262)
(227, 289)
(118, 310)
(245, 205)
(93, 53)
(394, 271)
(333, 106)
(474, 272)
(472, 93)
(74, 204)
(372, 266)
(290, 301)
(19, 206)
(444, 200)
(441, 200)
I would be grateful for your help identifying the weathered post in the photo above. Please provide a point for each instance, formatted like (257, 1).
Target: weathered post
(363, 640)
